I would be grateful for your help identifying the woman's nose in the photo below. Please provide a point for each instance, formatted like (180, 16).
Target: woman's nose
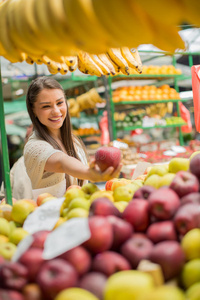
(55, 109)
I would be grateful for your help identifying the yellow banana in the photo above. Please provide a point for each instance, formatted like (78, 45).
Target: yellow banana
(90, 66)
(101, 65)
(46, 60)
(191, 11)
(74, 67)
(116, 56)
(106, 61)
(135, 54)
(64, 69)
(52, 71)
(126, 53)
(70, 60)
(29, 60)
(94, 95)
(57, 58)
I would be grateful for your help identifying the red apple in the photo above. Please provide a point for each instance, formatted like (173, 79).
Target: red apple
(163, 203)
(41, 197)
(170, 256)
(79, 257)
(191, 198)
(56, 275)
(184, 183)
(137, 214)
(103, 207)
(161, 231)
(122, 231)
(13, 275)
(195, 165)
(110, 262)
(10, 295)
(33, 260)
(39, 238)
(32, 291)
(187, 217)
(107, 157)
(136, 248)
(73, 186)
(101, 235)
(144, 192)
(94, 282)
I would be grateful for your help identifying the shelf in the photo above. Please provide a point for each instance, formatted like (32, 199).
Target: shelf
(149, 101)
(156, 126)
(152, 76)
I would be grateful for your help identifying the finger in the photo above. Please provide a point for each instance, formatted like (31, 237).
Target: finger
(92, 163)
(108, 171)
(118, 170)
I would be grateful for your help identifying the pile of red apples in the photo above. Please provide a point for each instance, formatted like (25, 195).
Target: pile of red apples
(150, 228)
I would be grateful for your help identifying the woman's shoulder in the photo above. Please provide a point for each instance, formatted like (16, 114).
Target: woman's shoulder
(34, 139)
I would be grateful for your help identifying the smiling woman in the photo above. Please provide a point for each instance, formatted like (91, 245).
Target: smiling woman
(53, 156)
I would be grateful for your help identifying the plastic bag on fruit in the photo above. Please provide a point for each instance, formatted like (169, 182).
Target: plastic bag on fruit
(196, 94)
(185, 115)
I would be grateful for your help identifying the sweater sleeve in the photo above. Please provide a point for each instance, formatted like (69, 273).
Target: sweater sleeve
(36, 153)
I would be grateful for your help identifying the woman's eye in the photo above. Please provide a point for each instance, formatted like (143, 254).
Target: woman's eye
(60, 102)
(46, 106)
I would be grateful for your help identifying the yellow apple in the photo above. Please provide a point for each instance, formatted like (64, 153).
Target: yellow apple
(158, 169)
(193, 293)
(75, 293)
(20, 211)
(4, 227)
(5, 211)
(164, 292)
(121, 205)
(193, 154)
(7, 250)
(77, 213)
(153, 181)
(64, 212)
(137, 182)
(125, 193)
(191, 244)
(190, 273)
(41, 197)
(166, 179)
(177, 164)
(3, 239)
(74, 186)
(71, 194)
(79, 202)
(101, 194)
(47, 199)
(128, 285)
(60, 221)
(17, 235)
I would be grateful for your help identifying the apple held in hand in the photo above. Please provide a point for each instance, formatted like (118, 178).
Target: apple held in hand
(56, 275)
(137, 214)
(136, 248)
(162, 231)
(108, 157)
(170, 256)
(94, 282)
(184, 183)
(163, 203)
(101, 235)
(13, 275)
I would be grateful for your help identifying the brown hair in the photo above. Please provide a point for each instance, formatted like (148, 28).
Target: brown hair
(68, 139)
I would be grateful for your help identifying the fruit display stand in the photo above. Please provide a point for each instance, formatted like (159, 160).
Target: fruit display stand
(128, 105)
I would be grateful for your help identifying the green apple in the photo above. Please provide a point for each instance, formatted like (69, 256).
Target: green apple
(20, 211)
(12, 225)
(193, 293)
(75, 293)
(158, 169)
(193, 154)
(166, 179)
(121, 205)
(77, 213)
(79, 202)
(191, 244)
(128, 285)
(153, 181)
(190, 273)
(177, 164)
(4, 227)
(89, 189)
(138, 182)
(47, 199)
(125, 192)
(17, 235)
(7, 250)
(102, 193)
(71, 194)
(164, 292)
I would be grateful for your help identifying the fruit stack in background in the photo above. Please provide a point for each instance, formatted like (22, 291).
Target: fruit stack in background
(147, 92)
(163, 70)
(144, 243)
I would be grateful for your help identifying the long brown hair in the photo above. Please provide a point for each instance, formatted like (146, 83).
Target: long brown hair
(68, 139)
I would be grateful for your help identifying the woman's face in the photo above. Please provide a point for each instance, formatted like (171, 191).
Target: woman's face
(51, 109)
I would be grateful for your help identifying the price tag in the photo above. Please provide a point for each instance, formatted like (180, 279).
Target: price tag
(22, 247)
(44, 217)
(65, 237)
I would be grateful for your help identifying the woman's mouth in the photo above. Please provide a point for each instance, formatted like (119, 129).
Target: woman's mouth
(55, 119)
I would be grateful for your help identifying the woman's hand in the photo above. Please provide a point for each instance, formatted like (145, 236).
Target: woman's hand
(97, 175)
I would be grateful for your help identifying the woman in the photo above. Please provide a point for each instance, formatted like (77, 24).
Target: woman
(53, 156)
